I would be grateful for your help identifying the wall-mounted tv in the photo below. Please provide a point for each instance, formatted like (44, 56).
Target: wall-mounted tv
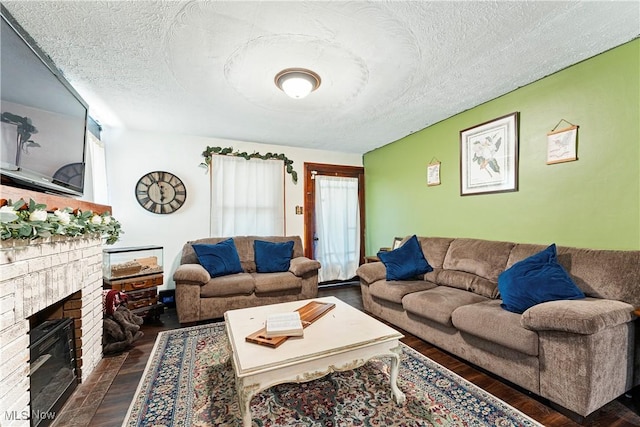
(43, 120)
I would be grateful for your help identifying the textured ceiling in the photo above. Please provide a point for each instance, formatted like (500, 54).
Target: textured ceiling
(388, 68)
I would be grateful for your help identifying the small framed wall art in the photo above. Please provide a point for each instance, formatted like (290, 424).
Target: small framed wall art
(561, 145)
(433, 173)
(489, 156)
(397, 242)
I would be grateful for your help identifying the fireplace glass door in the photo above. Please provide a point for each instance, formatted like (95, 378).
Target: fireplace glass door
(53, 368)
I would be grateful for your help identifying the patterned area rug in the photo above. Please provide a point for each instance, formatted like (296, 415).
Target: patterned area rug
(189, 381)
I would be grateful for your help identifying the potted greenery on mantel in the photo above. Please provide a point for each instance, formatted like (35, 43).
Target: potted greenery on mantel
(228, 151)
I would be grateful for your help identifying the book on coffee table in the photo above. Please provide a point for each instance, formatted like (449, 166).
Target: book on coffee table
(284, 324)
(309, 313)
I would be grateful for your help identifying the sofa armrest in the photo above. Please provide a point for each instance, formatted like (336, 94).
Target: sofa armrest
(585, 316)
(194, 274)
(302, 265)
(372, 272)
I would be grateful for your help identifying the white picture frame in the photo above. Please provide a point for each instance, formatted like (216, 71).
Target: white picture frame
(489, 157)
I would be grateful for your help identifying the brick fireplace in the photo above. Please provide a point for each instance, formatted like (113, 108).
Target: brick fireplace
(55, 278)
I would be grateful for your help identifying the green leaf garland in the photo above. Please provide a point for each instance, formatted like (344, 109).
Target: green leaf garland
(228, 151)
(22, 220)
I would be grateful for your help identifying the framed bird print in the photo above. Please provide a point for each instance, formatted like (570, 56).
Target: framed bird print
(489, 157)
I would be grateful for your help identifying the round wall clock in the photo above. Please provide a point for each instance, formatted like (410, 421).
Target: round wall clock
(71, 174)
(160, 192)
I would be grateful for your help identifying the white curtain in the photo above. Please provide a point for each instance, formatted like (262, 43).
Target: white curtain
(247, 197)
(337, 227)
(96, 171)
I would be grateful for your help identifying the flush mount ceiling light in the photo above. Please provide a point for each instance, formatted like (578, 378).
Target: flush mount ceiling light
(297, 82)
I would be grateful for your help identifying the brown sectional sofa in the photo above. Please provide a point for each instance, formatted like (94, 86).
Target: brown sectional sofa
(579, 354)
(200, 297)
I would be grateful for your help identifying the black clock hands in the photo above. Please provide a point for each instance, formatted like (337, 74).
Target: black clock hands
(161, 192)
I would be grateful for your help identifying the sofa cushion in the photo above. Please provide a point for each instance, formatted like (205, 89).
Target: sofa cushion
(474, 265)
(484, 258)
(272, 257)
(584, 317)
(395, 291)
(276, 282)
(439, 303)
(522, 251)
(534, 280)
(487, 320)
(609, 274)
(405, 263)
(244, 245)
(468, 282)
(219, 259)
(229, 285)
(435, 249)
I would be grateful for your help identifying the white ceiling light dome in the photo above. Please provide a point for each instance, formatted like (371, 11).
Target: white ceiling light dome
(297, 82)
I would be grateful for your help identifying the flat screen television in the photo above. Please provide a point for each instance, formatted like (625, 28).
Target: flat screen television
(43, 119)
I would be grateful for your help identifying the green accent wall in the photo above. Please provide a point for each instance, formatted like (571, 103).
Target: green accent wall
(593, 202)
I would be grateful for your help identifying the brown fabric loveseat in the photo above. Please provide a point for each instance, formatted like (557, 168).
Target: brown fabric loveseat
(200, 297)
(580, 354)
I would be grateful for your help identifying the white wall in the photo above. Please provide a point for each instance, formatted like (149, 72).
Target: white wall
(131, 154)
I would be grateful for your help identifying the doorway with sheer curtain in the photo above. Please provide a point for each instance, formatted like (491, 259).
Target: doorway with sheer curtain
(334, 220)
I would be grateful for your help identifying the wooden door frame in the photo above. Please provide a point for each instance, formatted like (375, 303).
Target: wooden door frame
(310, 203)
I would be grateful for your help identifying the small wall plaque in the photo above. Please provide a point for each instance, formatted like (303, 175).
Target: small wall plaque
(433, 173)
(561, 145)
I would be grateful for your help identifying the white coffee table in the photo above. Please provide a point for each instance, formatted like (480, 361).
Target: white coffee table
(344, 338)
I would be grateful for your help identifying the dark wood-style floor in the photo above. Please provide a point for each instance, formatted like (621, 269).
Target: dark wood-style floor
(103, 399)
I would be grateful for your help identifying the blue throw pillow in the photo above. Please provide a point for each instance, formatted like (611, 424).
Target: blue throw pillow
(219, 259)
(534, 280)
(406, 262)
(272, 257)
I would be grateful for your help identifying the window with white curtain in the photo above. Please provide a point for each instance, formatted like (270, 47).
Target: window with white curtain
(247, 197)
